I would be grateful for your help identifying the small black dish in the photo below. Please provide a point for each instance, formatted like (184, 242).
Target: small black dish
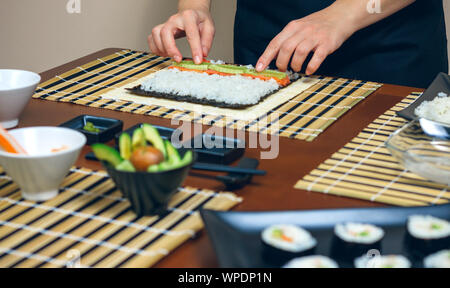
(217, 149)
(440, 84)
(108, 127)
(149, 193)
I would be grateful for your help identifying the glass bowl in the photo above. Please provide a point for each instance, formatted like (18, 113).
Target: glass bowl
(421, 154)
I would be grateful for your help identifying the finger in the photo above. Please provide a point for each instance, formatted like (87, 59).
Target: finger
(193, 35)
(152, 46)
(207, 32)
(274, 47)
(300, 54)
(168, 41)
(156, 36)
(319, 56)
(285, 53)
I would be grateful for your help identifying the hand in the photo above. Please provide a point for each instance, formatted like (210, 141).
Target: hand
(196, 25)
(322, 33)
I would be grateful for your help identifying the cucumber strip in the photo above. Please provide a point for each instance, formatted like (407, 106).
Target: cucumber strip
(125, 146)
(228, 69)
(138, 139)
(172, 154)
(152, 136)
(153, 168)
(126, 166)
(105, 153)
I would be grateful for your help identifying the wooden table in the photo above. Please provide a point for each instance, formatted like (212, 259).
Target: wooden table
(272, 192)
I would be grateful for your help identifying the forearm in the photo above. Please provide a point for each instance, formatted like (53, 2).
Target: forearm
(194, 5)
(363, 13)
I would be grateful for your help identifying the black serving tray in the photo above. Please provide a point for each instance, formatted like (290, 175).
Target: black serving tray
(440, 84)
(109, 127)
(236, 235)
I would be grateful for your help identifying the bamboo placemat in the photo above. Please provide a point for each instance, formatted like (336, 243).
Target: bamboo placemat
(89, 224)
(365, 169)
(303, 117)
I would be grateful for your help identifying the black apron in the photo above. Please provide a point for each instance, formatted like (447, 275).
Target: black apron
(408, 48)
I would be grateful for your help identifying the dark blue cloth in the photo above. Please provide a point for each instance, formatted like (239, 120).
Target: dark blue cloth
(407, 48)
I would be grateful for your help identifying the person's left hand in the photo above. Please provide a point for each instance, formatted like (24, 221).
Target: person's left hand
(322, 33)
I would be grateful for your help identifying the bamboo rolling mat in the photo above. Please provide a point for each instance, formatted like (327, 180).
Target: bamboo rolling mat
(365, 169)
(89, 224)
(303, 117)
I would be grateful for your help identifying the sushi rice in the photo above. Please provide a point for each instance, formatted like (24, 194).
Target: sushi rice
(387, 261)
(437, 110)
(440, 259)
(358, 233)
(236, 89)
(312, 262)
(428, 227)
(288, 238)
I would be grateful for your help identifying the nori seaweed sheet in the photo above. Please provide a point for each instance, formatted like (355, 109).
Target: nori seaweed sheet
(141, 92)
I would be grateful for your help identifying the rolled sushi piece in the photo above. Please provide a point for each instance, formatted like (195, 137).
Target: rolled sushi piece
(386, 261)
(426, 235)
(440, 259)
(314, 261)
(284, 242)
(354, 239)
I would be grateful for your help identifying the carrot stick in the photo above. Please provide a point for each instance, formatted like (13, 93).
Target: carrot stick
(9, 144)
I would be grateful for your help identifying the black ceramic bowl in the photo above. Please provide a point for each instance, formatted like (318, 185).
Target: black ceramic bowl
(150, 193)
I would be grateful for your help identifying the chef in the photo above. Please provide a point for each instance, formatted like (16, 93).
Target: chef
(391, 41)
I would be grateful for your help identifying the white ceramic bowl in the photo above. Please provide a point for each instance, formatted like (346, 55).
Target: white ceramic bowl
(16, 89)
(40, 173)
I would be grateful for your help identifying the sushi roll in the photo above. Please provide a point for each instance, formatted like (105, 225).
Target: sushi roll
(312, 262)
(426, 235)
(440, 259)
(213, 83)
(284, 242)
(387, 261)
(354, 239)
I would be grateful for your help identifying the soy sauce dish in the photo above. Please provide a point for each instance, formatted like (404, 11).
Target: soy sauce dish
(147, 169)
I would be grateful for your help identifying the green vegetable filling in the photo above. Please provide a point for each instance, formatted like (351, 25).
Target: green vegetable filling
(436, 226)
(277, 233)
(89, 127)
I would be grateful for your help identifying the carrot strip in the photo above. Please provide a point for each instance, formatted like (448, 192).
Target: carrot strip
(9, 144)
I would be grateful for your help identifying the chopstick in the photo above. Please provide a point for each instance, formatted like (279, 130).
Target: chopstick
(224, 168)
(9, 143)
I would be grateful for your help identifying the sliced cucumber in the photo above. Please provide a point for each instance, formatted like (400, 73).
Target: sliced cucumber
(125, 146)
(126, 166)
(172, 154)
(231, 69)
(105, 153)
(138, 139)
(267, 73)
(187, 158)
(165, 166)
(191, 65)
(152, 136)
(153, 168)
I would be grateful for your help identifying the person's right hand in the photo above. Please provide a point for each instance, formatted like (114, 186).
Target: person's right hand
(196, 25)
